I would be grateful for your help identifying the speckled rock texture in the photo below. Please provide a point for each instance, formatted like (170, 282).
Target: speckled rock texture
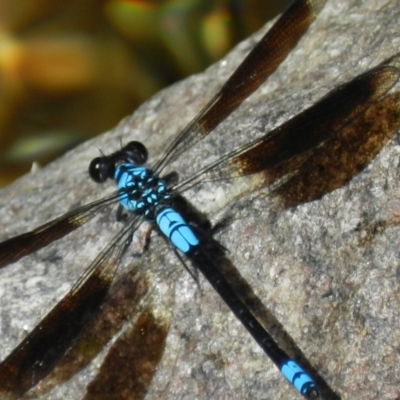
(327, 270)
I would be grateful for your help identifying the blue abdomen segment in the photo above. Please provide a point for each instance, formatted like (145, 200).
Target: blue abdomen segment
(297, 377)
(176, 230)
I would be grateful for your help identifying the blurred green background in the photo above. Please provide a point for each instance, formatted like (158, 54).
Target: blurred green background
(71, 70)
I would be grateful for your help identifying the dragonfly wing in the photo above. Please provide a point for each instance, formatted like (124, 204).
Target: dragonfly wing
(306, 131)
(38, 353)
(13, 249)
(260, 63)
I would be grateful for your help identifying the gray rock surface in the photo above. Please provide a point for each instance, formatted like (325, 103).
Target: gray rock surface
(328, 270)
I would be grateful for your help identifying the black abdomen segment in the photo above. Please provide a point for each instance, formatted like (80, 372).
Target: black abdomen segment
(299, 379)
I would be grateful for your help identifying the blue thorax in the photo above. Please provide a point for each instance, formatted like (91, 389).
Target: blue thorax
(142, 191)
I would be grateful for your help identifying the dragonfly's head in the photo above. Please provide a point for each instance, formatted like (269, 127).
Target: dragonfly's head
(103, 168)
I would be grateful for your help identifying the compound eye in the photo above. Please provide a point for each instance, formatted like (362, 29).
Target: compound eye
(135, 152)
(100, 169)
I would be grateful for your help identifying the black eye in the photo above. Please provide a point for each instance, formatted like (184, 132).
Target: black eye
(135, 152)
(100, 169)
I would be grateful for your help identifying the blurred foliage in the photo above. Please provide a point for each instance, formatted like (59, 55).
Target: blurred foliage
(70, 70)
